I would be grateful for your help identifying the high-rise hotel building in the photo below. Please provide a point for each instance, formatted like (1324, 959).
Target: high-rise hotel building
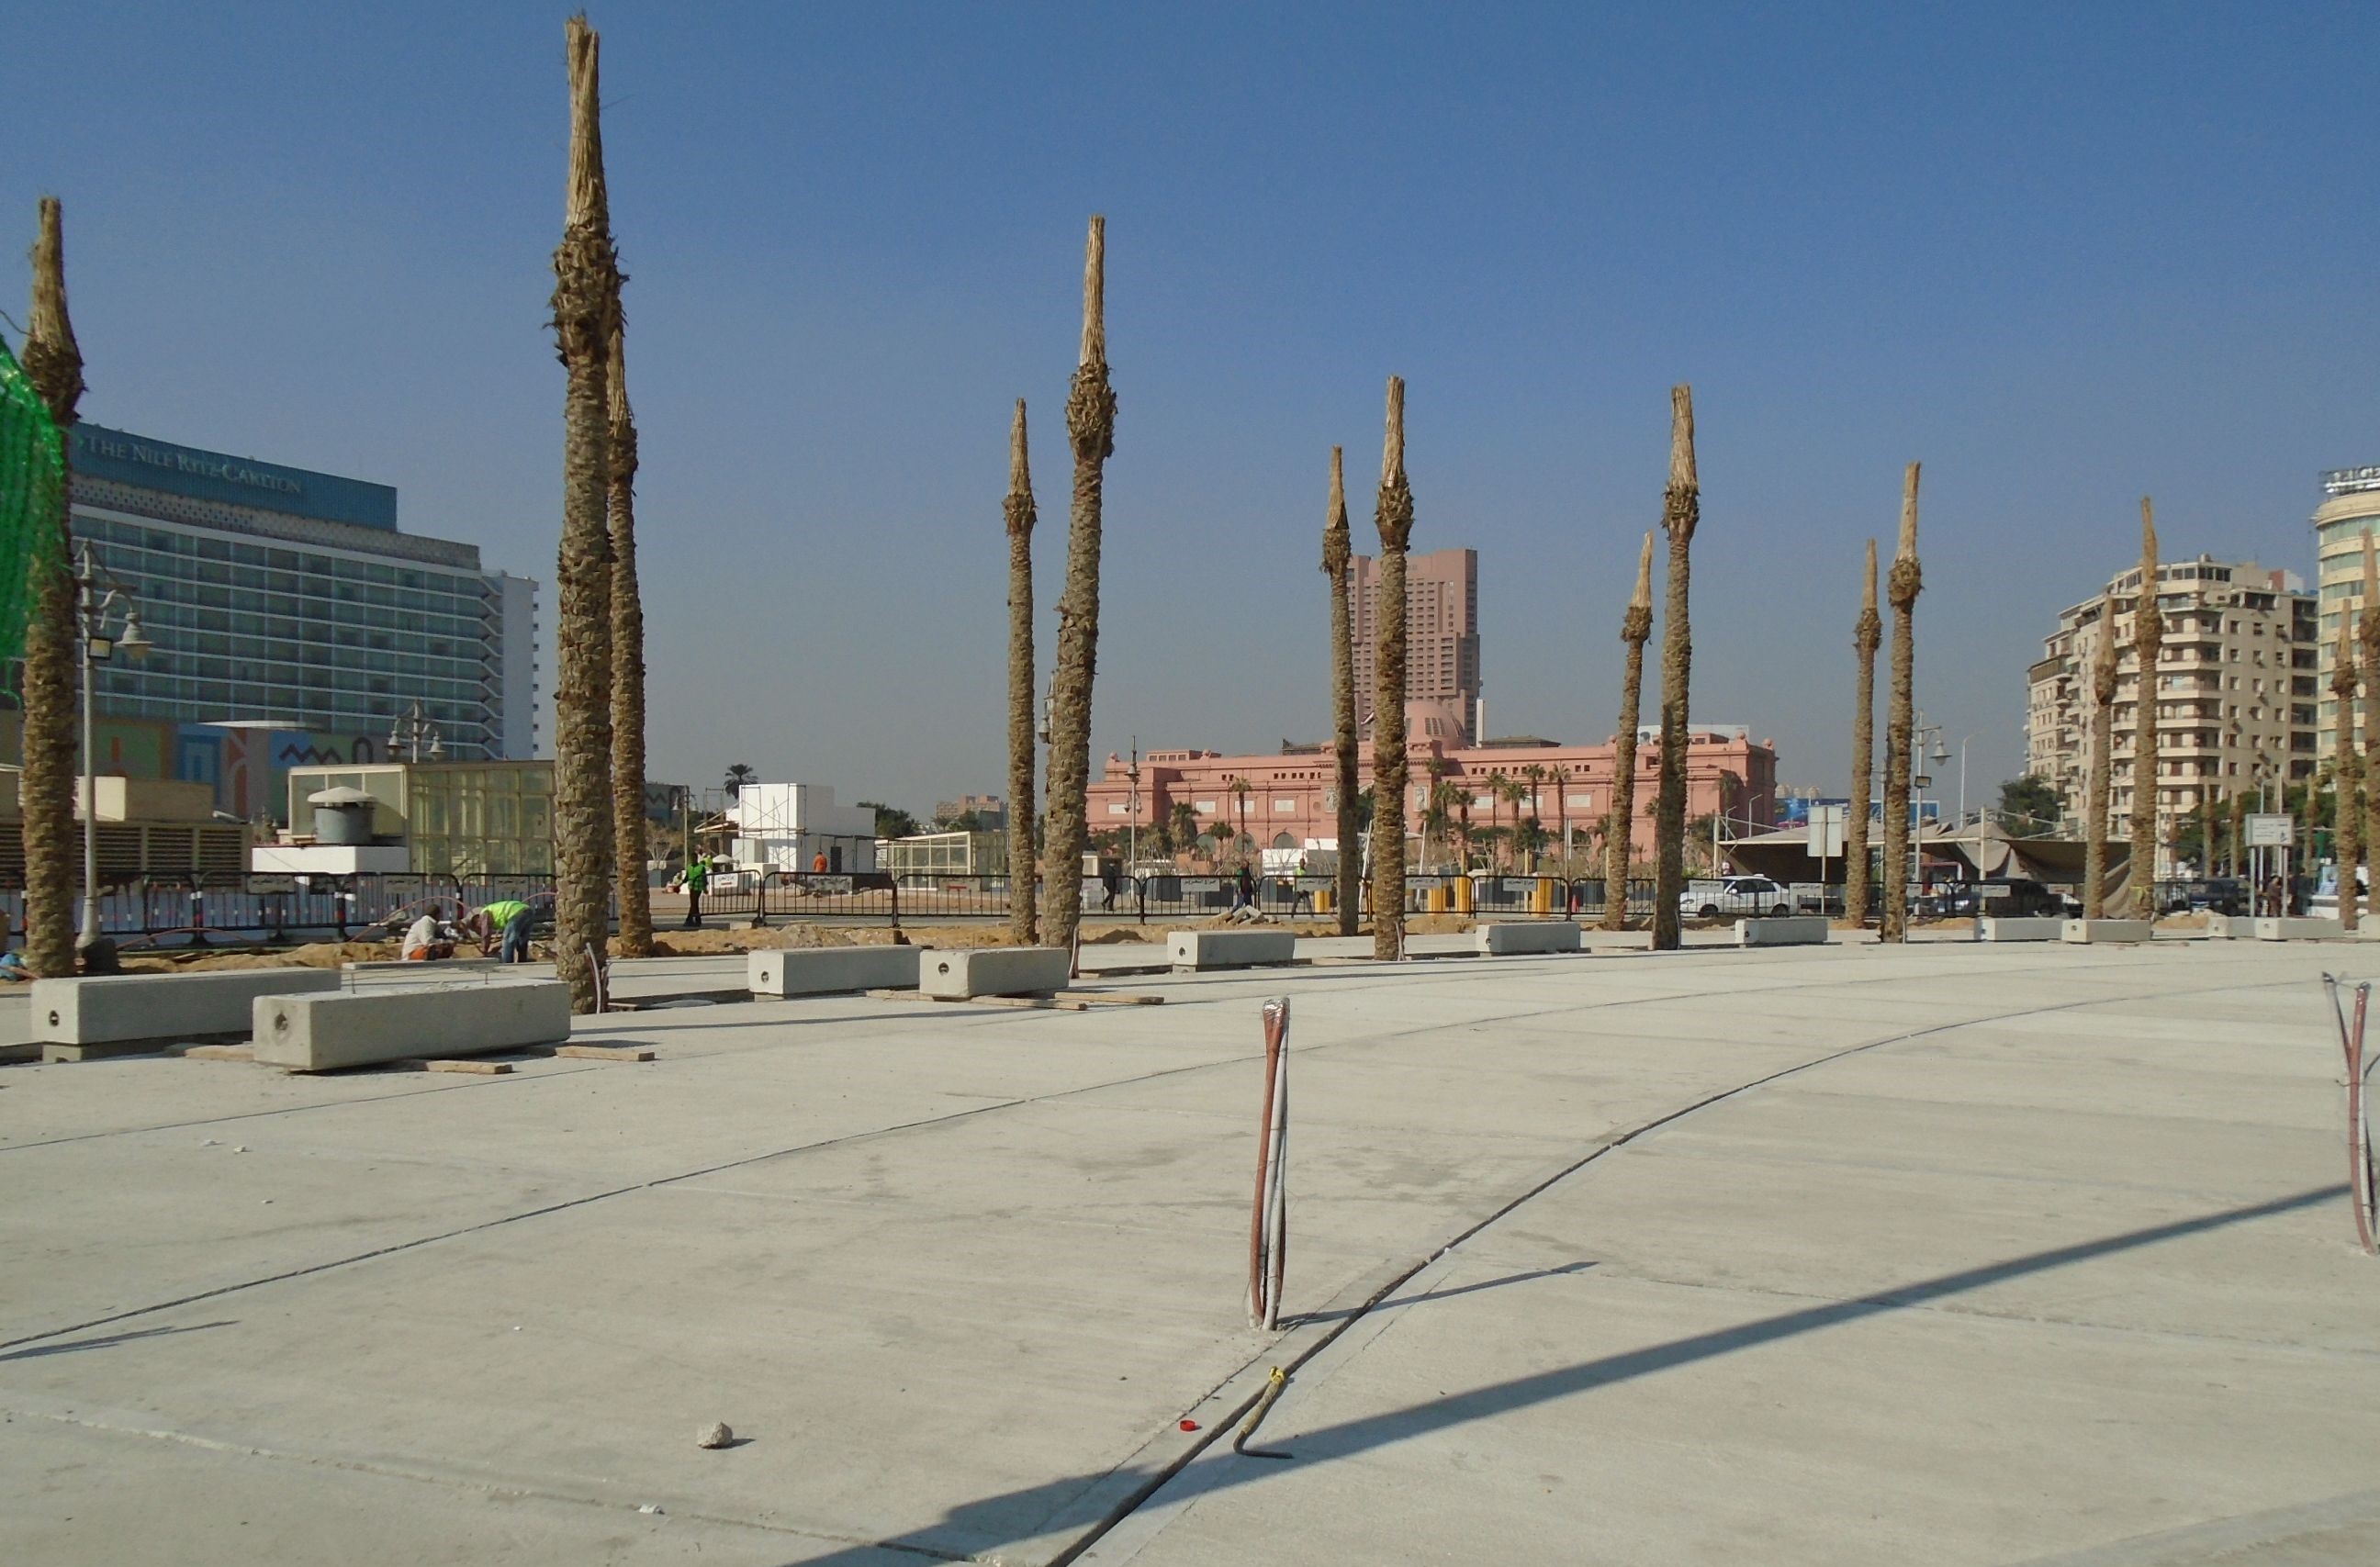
(284, 600)
(1441, 636)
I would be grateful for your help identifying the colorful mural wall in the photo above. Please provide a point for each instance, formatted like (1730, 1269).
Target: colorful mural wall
(249, 767)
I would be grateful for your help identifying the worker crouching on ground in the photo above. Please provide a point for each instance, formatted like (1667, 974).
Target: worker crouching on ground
(503, 929)
(430, 937)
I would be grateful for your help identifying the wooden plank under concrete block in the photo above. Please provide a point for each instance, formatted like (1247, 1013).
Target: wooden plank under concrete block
(476, 1068)
(220, 1052)
(1110, 997)
(604, 1052)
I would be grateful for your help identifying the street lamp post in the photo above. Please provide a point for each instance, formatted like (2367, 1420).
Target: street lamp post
(93, 598)
(414, 734)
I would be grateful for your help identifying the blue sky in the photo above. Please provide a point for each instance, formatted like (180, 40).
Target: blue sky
(2063, 255)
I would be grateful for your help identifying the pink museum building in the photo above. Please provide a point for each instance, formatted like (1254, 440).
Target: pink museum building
(1289, 804)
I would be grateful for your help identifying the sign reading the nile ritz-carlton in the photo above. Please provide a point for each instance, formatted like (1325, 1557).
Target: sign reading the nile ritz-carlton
(102, 453)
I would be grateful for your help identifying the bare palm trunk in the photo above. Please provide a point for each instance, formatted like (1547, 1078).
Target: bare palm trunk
(2368, 633)
(2148, 643)
(586, 298)
(1336, 555)
(1393, 515)
(1901, 586)
(53, 640)
(1868, 636)
(1090, 425)
(630, 840)
(1618, 841)
(1023, 926)
(2100, 786)
(1681, 511)
(2239, 832)
(2347, 804)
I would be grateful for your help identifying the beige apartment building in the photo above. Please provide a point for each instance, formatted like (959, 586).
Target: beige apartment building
(2352, 510)
(2236, 696)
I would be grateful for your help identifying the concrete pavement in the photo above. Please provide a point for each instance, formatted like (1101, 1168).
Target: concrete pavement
(1944, 1253)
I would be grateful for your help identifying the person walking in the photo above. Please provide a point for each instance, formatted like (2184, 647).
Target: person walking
(698, 876)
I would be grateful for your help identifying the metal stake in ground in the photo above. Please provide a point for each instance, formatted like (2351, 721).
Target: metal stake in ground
(2360, 1174)
(1268, 1222)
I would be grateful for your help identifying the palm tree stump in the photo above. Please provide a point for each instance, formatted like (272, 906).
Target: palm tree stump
(1336, 560)
(1393, 515)
(1681, 512)
(1902, 586)
(1618, 858)
(1017, 510)
(53, 364)
(1090, 427)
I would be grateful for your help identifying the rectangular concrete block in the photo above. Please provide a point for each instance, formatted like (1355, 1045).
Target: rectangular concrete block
(161, 1009)
(960, 972)
(819, 971)
(1230, 949)
(2294, 930)
(323, 1033)
(2032, 928)
(1782, 930)
(1506, 936)
(2085, 932)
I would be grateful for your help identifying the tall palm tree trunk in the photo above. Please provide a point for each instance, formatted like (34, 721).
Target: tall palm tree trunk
(2148, 643)
(2368, 635)
(1024, 925)
(2347, 804)
(2103, 766)
(53, 640)
(1681, 511)
(1336, 556)
(1901, 586)
(1090, 425)
(1868, 636)
(585, 296)
(630, 838)
(1618, 836)
(2239, 833)
(1393, 515)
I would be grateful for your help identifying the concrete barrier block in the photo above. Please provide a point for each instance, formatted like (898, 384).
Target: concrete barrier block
(2030, 928)
(323, 1033)
(2271, 929)
(119, 1014)
(1230, 949)
(962, 972)
(1782, 930)
(819, 971)
(1507, 937)
(2084, 932)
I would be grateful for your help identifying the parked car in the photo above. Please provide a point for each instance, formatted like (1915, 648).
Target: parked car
(2017, 897)
(1732, 897)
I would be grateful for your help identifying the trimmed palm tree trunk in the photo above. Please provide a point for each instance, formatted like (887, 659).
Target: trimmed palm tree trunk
(1901, 586)
(1090, 425)
(586, 298)
(2239, 833)
(2368, 633)
(1618, 845)
(1868, 636)
(1336, 558)
(629, 830)
(2347, 804)
(1681, 511)
(2148, 644)
(1024, 925)
(53, 640)
(2100, 783)
(1393, 515)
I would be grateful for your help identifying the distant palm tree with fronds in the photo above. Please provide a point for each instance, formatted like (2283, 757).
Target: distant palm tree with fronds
(738, 775)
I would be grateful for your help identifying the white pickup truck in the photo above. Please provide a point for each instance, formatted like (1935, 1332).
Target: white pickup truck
(1731, 897)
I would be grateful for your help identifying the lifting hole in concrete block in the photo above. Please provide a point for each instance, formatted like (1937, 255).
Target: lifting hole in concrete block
(1231, 949)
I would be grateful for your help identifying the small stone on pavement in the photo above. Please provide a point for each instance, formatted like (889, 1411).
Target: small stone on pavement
(716, 1434)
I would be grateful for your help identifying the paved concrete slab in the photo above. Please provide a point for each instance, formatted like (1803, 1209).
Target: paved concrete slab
(1969, 1254)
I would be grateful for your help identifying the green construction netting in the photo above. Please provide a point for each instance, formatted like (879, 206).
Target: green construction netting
(32, 472)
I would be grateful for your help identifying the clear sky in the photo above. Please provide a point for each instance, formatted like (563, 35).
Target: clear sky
(2064, 255)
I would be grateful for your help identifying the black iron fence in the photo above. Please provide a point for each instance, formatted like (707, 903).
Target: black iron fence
(249, 909)
(876, 895)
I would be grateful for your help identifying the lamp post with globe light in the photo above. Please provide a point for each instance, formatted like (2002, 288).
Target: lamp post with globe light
(96, 593)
